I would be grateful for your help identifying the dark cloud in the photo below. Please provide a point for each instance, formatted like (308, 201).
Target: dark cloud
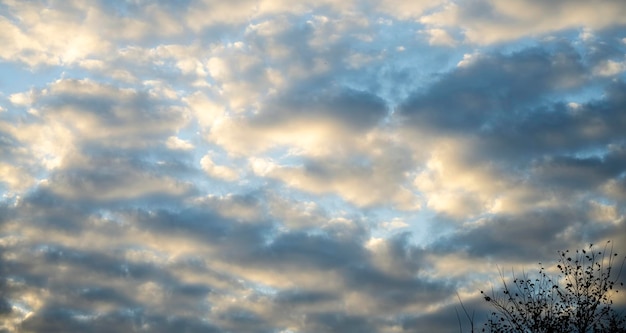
(558, 128)
(90, 279)
(318, 94)
(445, 320)
(58, 319)
(393, 289)
(46, 263)
(404, 255)
(358, 110)
(392, 292)
(9, 145)
(244, 321)
(47, 210)
(527, 237)
(580, 173)
(111, 178)
(492, 87)
(5, 306)
(295, 297)
(336, 322)
(311, 251)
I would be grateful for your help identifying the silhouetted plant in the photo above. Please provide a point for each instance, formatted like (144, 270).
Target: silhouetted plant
(578, 299)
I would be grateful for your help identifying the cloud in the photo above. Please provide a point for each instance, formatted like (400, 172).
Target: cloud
(488, 21)
(116, 179)
(69, 119)
(610, 68)
(177, 143)
(439, 37)
(118, 321)
(59, 36)
(396, 223)
(348, 180)
(54, 36)
(102, 283)
(404, 10)
(318, 121)
(299, 297)
(297, 214)
(15, 178)
(492, 84)
(217, 171)
(591, 125)
(501, 236)
(93, 111)
(468, 171)
(243, 208)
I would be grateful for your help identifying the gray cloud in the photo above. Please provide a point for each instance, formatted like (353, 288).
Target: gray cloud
(559, 129)
(445, 320)
(581, 173)
(356, 110)
(485, 90)
(58, 318)
(524, 238)
(336, 322)
(292, 298)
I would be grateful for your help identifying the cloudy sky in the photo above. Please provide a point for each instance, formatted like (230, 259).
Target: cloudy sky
(302, 166)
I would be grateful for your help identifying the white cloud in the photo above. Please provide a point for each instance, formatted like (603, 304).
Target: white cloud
(218, 171)
(468, 59)
(54, 36)
(218, 68)
(239, 136)
(21, 99)
(456, 186)
(15, 177)
(361, 186)
(492, 21)
(205, 110)
(439, 37)
(176, 143)
(405, 10)
(610, 68)
(586, 34)
(395, 223)
(262, 166)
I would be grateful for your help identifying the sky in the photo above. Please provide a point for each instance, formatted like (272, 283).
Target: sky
(280, 166)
